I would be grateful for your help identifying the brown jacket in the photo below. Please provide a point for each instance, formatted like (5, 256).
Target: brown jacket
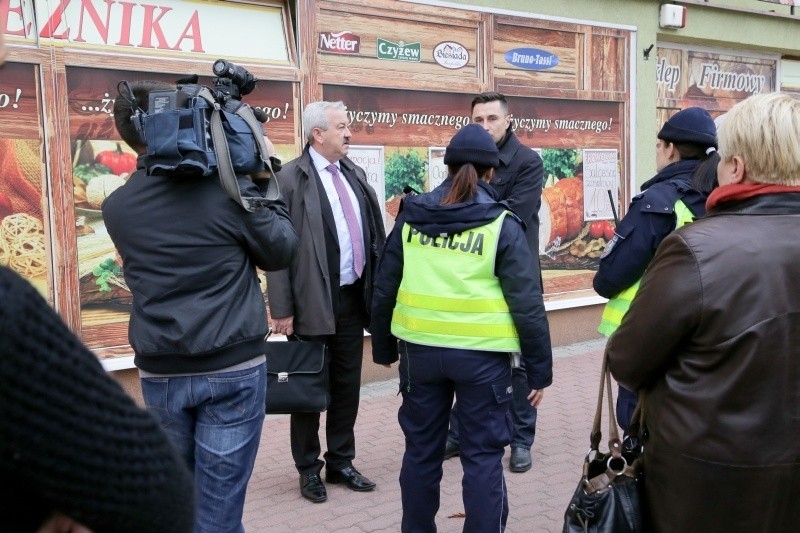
(713, 337)
(304, 289)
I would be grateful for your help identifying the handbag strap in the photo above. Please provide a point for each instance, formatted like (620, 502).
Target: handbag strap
(614, 443)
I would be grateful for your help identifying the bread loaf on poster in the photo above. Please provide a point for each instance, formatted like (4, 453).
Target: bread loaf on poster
(23, 245)
(561, 213)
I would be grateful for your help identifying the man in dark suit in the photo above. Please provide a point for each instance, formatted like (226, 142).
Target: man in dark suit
(325, 294)
(518, 181)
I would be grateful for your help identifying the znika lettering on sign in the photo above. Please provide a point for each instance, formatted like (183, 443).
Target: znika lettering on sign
(172, 27)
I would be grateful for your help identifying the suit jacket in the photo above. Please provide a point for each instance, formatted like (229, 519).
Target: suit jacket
(309, 288)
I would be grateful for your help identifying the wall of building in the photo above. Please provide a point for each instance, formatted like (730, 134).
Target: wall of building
(745, 25)
(738, 25)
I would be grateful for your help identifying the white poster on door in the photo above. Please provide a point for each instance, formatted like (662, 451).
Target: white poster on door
(600, 184)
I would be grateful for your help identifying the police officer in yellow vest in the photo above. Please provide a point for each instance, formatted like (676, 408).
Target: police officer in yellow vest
(456, 291)
(686, 161)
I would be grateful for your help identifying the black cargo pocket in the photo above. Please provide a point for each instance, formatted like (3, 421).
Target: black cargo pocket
(499, 426)
(404, 369)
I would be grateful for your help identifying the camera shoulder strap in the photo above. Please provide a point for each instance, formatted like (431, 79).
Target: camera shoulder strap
(227, 176)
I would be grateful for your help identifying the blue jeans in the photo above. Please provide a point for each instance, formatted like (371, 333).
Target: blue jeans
(482, 383)
(215, 422)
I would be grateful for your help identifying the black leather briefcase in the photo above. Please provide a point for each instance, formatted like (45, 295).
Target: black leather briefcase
(297, 377)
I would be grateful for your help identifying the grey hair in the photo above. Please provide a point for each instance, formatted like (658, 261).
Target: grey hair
(315, 115)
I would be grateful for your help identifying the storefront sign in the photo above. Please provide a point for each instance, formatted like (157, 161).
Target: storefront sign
(712, 80)
(398, 51)
(451, 55)
(223, 29)
(531, 58)
(343, 42)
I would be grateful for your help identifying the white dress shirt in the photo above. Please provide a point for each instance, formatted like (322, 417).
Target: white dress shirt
(347, 275)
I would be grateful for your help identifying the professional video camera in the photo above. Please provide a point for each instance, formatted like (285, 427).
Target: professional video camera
(196, 131)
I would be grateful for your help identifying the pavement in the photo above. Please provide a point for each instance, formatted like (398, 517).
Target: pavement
(537, 498)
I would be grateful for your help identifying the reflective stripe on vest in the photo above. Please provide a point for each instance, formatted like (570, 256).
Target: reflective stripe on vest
(618, 305)
(449, 295)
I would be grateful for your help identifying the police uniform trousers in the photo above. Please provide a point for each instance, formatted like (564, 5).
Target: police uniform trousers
(522, 413)
(481, 381)
(345, 352)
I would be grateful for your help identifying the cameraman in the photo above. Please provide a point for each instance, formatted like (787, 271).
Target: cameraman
(198, 321)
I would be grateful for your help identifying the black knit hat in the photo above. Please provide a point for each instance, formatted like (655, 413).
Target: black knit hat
(71, 440)
(472, 144)
(693, 125)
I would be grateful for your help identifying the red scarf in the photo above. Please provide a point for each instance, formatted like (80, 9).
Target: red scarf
(742, 191)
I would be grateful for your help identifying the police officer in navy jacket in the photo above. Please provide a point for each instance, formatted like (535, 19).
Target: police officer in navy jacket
(454, 295)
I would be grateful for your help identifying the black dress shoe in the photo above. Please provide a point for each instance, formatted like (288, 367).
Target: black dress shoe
(350, 477)
(520, 460)
(451, 449)
(312, 489)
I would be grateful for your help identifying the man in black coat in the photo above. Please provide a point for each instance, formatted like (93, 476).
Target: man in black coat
(326, 292)
(189, 256)
(518, 181)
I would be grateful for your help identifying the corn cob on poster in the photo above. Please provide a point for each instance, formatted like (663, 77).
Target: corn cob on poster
(23, 225)
(102, 162)
(571, 137)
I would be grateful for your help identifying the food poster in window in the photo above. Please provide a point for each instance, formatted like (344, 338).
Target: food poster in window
(413, 126)
(102, 162)
(24, 226)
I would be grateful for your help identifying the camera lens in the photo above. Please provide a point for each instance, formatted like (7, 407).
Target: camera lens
(219, 67)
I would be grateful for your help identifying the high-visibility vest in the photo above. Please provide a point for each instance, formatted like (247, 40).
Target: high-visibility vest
(449, 295)
(617, 306)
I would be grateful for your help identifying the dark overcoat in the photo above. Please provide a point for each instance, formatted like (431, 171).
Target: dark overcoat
(304, 289)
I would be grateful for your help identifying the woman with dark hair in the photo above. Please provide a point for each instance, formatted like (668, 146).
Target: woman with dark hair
(686, 161)
(458, 288)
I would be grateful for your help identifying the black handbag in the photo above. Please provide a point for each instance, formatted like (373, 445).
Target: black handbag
(297, 377)
(609, 497)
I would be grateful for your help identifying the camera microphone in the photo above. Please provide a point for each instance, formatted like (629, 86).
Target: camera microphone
(260, 115)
